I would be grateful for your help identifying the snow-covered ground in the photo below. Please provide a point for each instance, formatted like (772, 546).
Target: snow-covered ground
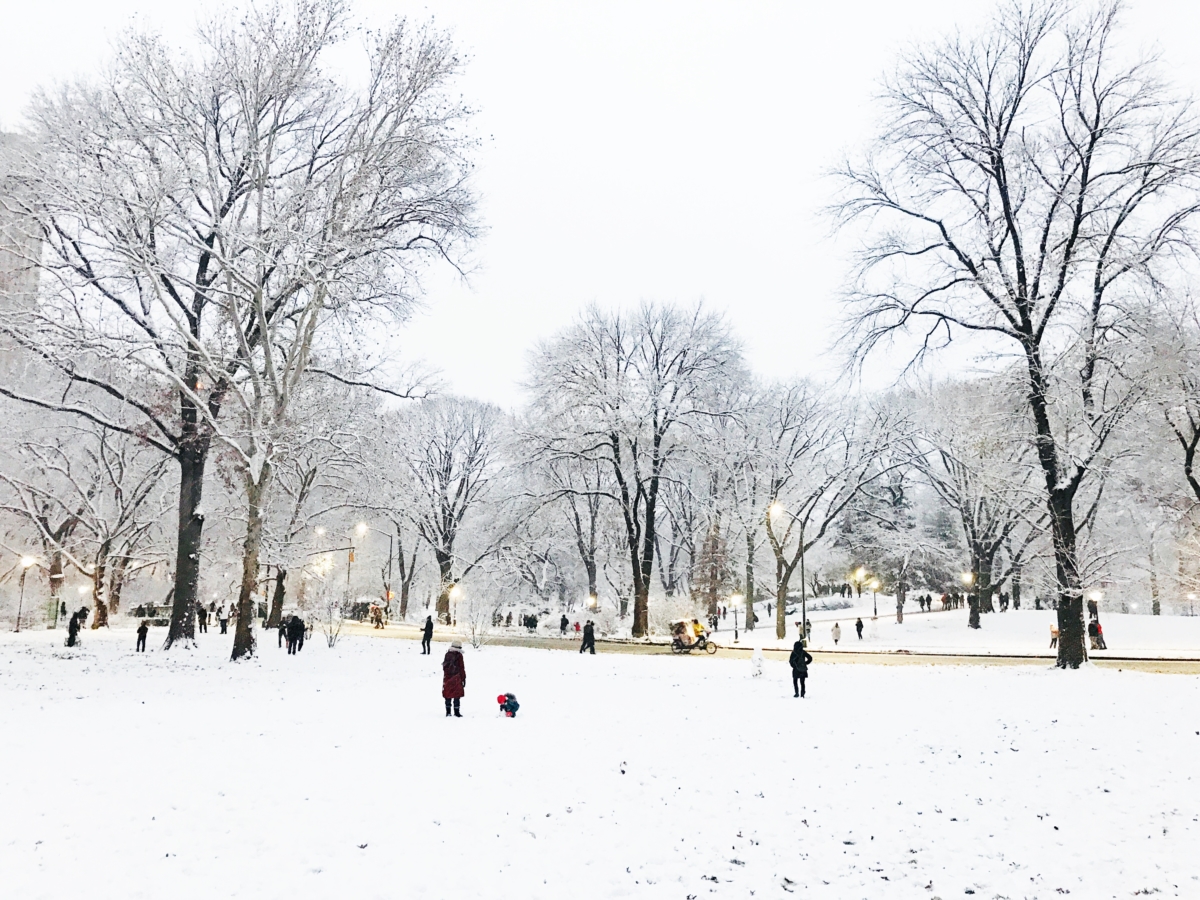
(334, 774)
(1022, 632)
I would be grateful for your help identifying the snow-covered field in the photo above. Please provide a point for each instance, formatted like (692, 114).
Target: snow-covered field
(334, 774)
(1022, 632)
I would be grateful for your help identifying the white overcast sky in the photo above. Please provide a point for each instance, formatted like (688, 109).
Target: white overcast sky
(657, 150)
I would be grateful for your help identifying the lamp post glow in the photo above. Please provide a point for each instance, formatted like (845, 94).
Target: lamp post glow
(736, 600)
(455, 593)
(26, 562)
(875, 596)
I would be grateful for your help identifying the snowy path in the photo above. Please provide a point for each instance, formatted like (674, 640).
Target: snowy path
(624, 776)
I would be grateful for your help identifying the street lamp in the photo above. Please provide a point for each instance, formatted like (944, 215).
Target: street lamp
(26, 562)
(875, 596)
(736, 600)
(455, 593)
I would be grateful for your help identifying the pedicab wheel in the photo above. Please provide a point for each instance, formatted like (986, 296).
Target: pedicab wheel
(676, 647)
(710, 648)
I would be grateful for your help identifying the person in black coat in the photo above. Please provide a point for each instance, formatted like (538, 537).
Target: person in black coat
(282, 630)
(799, 661)
(589, 638)
(426, 635)
(73, 628)
(562, 626)
(202, 619)
(295, 634)
(142, 631)
(858, 626)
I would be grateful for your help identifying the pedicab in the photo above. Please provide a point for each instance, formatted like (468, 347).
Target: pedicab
(687, 636)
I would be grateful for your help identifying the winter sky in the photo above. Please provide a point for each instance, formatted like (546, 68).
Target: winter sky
(658, 150)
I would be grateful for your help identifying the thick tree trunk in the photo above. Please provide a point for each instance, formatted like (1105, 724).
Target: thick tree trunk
(243, 632)
(99, 585)
(1072, 651)
(277, 598)
(193, 457)
(983, 583)
(1060, 502)
(445, 563)
(751, 618)
(56, 581)
(116, 583)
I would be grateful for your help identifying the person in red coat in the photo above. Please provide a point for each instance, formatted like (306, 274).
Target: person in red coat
(454, 677)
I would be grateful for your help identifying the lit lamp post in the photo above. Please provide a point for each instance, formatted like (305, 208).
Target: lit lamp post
(26, 562)
(1191, 603)
(875, 597)
(737, 600)
(455, 593)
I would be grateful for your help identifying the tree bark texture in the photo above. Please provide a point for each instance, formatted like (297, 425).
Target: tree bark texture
(243, 632)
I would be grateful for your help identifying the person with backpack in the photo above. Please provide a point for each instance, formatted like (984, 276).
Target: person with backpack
(799, 661)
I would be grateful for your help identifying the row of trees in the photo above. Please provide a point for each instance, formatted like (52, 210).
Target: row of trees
(215, 237)
(649, 471)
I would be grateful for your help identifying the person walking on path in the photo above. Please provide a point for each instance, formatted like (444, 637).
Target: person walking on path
(142, 631)
(589, 638)
(282, 630)
(427, 636)
(202, 619)
(562, 626)
(223, 618)
(799, 661)
(454, 677)
(858, 626)
(1053, 636)
(837, 633)
(295, 635)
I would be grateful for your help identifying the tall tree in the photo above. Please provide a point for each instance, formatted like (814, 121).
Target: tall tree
(624, 388)
(207, 216)
(1025, 181)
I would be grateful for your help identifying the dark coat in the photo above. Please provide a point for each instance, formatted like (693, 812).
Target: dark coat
(454, 674)
(800, 659)
(589, 633)
(428, 632)
(295, 629)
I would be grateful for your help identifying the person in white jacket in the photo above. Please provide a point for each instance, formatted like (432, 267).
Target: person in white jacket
(837, 633)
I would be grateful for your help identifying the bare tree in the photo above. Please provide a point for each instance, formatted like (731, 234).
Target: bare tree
(449, 447)
(975, 459)
(1024, 184)
(623, 390)
(818, 458)
(207, 218)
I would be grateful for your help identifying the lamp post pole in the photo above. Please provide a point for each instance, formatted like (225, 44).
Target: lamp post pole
(26, 562)
(21, 602)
